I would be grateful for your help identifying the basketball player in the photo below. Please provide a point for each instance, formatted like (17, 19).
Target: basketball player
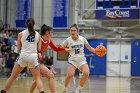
(46, 33)
(29, 45)
(75, 44)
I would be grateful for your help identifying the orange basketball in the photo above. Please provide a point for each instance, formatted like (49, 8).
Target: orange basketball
(100, 50)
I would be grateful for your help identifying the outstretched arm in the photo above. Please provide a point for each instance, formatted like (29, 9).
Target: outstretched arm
(56, 48)
(90, 48)
(66, 48)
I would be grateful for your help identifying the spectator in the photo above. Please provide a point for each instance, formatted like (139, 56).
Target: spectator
(5, 37)
(11, 40)
(10, 63)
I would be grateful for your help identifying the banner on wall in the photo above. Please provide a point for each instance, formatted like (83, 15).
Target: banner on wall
(117, 14)
(23, 9)
(60, 14)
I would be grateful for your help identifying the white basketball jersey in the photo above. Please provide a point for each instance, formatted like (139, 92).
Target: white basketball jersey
(77, 46)
(29, 42)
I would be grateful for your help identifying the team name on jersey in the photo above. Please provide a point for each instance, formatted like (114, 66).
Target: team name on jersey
(77, 46)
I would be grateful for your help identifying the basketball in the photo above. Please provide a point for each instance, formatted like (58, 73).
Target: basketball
(100, 50)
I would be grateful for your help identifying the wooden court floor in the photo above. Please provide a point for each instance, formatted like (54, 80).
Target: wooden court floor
(93, 85)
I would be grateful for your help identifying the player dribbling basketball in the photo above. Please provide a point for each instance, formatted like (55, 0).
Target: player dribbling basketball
(75, 44)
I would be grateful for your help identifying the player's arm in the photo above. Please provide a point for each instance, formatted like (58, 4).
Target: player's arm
(66, 46)
(56, 48)
(90, 48)
(39, 48)
(39, 44)
(19, 42)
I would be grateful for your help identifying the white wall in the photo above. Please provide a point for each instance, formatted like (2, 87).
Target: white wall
(37, 12)
(118, 58)
(11, 13)
(42, 12)
(47, 17)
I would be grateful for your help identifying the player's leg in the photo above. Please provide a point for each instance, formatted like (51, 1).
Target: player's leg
(36, 74)
(16, 70)
(70, 73)
(50, 76)
(35, 70)
(33, 86)
(85, 71)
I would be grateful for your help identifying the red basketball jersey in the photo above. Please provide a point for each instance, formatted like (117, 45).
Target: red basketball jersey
(46, 43)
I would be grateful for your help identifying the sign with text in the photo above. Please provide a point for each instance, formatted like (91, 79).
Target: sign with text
(60, 14)
(117, 14)
(23, 9)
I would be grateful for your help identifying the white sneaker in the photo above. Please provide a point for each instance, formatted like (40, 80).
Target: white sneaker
(77, 91)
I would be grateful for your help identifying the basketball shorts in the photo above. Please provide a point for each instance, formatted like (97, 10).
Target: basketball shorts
(28, 60)
(77, 62)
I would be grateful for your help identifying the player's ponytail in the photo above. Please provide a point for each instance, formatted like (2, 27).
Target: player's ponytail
(30, 25)
(44, 29)
(74, 25)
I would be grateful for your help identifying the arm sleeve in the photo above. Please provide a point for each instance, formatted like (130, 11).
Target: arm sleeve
(55, 48)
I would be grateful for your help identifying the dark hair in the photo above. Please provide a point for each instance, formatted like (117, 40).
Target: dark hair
(74, 25)
(44, 29)
(30, 25)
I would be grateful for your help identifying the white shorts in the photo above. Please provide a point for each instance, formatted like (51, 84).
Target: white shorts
(28, 59)
(77, 62)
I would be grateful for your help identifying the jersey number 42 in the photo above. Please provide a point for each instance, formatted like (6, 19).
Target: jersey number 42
(30, 38)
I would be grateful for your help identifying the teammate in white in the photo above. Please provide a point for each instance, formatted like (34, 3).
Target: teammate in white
(75, 44)
(29, 44)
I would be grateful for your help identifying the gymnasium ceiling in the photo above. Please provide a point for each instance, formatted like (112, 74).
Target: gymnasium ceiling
(113, 29)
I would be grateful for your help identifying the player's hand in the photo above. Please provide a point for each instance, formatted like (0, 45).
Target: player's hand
(60, 46)
(68, 49)
(40, 56)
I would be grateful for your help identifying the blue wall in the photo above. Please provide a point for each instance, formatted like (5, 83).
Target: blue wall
(135, 57)
(98, 64)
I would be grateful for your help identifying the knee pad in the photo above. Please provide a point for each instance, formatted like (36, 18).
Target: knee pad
(3, 91)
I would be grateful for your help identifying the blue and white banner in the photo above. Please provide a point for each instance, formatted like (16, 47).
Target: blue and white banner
(60, 14)
(117, 14)
(23, 9)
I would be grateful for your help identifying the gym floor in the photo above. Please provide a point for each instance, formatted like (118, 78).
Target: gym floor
(94, 85)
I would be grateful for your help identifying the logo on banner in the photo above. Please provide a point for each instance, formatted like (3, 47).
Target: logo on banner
(117, 13)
